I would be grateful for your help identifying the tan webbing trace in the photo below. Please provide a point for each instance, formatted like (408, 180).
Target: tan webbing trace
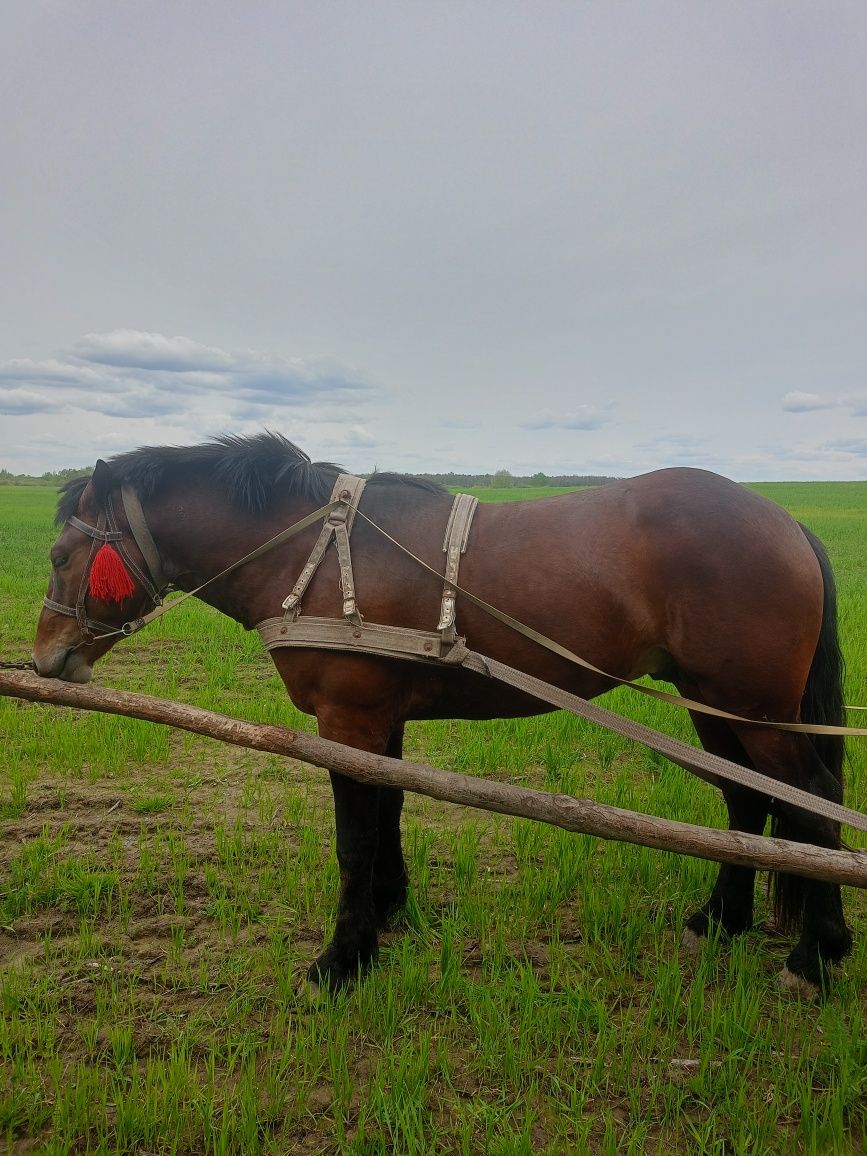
(697, 761)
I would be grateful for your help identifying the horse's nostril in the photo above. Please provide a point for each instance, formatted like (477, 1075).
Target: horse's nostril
(49, 665)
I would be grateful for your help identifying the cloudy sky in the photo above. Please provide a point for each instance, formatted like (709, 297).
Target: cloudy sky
(593, 237)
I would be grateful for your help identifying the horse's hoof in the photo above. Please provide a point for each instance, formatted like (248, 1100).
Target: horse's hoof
(692, 943)
(331, 973)
(309, 991)
(324, 979)
(798, 985)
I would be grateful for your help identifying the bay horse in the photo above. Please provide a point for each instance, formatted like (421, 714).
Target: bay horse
(679, 574)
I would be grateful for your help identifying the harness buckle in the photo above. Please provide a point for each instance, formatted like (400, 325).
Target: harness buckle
(339, 514)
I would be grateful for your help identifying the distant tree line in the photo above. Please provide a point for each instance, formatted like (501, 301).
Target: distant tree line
(500, 479)
(504, 479)
(49, 478)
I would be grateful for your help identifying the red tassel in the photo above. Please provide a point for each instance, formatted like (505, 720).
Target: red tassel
(109, 579)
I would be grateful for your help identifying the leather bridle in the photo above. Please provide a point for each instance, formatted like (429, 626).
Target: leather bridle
(107, 531)
(154, 581)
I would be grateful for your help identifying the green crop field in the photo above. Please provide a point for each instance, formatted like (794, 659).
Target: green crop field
(161, 896)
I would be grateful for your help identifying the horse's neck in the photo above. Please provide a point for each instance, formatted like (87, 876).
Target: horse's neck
(200, 535)
(203, 536)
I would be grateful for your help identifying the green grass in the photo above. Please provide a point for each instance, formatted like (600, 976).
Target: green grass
(161, 896)
(517, 493)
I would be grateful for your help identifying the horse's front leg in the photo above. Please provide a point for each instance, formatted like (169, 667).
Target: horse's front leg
(353, 947)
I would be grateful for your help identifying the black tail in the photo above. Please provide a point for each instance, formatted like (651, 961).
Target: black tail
(822, 703)
(823, 695)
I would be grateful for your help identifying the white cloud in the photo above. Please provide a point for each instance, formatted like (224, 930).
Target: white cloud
(131, 347)
(24, 401)
(131, 374)
(357, 435)
(855, 446)
(49, 372)
(582, 417)
(799, 402)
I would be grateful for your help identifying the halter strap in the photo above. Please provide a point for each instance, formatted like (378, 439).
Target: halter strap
(152, 580)
(94, 532)
(69, 611)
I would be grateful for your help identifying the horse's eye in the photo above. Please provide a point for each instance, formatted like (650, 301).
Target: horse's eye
(60, 561)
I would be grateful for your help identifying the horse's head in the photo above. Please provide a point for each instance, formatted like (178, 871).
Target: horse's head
(100, 579)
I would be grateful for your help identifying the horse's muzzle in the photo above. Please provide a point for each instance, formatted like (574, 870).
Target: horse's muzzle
(64, 663)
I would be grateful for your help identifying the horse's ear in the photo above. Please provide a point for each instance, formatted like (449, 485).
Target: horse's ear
(101, 481)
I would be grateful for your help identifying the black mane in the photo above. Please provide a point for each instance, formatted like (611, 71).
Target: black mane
(251, 471)
(70, 495)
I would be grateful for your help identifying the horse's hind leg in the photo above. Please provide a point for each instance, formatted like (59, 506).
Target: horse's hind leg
(730, 907)
(813, 907)
(390, 878)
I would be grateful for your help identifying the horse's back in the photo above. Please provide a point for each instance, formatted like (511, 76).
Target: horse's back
(679, 562)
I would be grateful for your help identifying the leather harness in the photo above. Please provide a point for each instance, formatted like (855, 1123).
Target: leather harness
(352, 633)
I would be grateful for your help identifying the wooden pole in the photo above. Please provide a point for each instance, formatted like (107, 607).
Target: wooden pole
(579, 815)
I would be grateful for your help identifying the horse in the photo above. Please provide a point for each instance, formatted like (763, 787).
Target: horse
(679, 574)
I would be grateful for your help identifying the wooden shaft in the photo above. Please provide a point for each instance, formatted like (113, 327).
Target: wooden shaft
(579, 815)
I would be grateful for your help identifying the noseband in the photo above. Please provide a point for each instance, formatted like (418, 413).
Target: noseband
(106, 531)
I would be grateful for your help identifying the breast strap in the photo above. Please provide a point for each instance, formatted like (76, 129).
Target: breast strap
(352, 633)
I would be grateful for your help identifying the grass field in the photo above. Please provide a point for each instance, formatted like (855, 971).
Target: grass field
(161, 896)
